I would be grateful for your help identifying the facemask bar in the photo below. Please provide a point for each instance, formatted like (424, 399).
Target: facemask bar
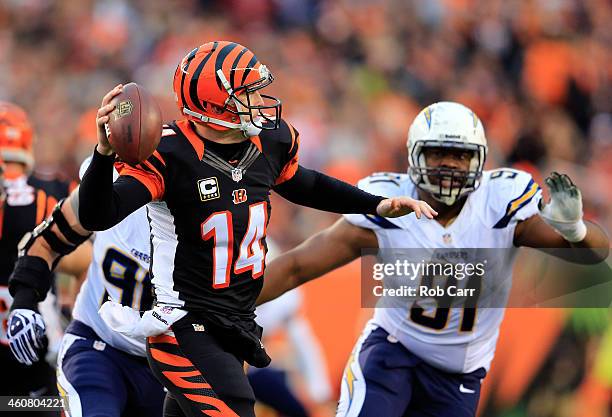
(420, 173)
(263, 120)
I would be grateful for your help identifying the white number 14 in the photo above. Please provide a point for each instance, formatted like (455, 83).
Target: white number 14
(219, 227)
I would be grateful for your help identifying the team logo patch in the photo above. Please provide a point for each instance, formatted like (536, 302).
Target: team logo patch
(208, 189)
(239, 196)
(123, 109)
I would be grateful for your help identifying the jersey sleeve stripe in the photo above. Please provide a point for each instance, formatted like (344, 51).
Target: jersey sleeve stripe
(293, 137)
(41, 205)
(515, 205)
(51, 202)
(257, 141)
(155, 188)
(157, 155)
(157, 166)
(381, 221)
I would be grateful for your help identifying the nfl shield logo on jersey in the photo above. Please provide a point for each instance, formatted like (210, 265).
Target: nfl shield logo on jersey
(236, 174)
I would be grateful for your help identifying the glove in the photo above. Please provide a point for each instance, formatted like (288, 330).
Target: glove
(564, 211)
(26, 334)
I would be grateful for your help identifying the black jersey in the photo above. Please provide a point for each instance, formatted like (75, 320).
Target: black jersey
(56, 187)
(24, 208)
(209, 215)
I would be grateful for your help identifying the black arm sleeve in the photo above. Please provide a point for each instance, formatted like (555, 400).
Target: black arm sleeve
(313, 189)
(102, 203)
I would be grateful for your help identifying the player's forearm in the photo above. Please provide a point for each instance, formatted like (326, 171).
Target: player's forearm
(316, 190)
(102, 203)
(280, 277)
(595, 247)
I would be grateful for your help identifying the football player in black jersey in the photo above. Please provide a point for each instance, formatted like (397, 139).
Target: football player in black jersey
(22, 207)
(207, 192)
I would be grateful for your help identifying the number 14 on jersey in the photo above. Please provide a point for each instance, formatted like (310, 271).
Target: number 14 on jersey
(219, 227)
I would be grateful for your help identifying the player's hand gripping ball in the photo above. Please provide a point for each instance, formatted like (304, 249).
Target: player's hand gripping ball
(134, 125)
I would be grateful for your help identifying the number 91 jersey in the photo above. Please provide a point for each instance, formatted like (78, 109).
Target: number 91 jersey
(120, 271)
(452, 337)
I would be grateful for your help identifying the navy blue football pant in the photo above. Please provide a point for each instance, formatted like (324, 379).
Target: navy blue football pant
(100, 381)
(383, 378)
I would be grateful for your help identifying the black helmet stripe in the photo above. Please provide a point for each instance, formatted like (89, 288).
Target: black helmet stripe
(223, 53)
(183, 66)
(193, 84)
(250, 65)
(234, 65)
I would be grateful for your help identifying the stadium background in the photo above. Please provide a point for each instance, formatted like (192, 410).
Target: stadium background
(352, 75)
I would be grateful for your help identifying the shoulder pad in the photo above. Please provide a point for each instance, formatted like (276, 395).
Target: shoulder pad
(512, 196)
(386, 184)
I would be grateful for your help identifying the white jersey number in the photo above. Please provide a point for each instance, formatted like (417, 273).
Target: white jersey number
(219, 227)
(130, 278)
(439, 319)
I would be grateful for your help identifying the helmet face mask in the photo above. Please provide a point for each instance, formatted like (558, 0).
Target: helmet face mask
(446, 184)
(219, 84)
(258, 114)
(449, 128)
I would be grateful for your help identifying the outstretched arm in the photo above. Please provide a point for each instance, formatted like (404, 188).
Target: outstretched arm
(314, 189)
(559, 224)
(327, 250)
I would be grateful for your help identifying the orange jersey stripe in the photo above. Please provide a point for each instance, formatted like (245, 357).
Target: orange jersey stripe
(51, 202)
(288, 171)
(162, 338)
(41, 205)
(178, 379)
(257, 141)
(222, 409)
(192, 137)
(158, 156)
(169, 358)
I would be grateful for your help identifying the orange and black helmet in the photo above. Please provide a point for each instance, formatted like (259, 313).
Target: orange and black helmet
(209, 80)
(16, 135)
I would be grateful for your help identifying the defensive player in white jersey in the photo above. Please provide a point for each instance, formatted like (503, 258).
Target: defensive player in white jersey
(414, 359)
(101, 372)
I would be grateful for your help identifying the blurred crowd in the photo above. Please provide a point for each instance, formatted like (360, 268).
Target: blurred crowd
(352, 74)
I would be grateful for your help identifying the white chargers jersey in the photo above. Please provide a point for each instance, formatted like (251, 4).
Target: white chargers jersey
(464, 340)
(120, 271)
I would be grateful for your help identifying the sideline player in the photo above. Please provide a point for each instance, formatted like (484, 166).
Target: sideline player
(22, 207)
(419, 362)
(99, 371)
(207, 194)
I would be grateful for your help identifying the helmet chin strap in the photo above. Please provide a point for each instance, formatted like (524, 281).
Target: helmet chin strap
(247, 128)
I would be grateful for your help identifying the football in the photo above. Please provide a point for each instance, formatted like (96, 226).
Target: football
(135, 126)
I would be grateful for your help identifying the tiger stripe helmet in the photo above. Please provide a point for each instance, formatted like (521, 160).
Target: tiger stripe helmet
(209, 80)
(16, 135)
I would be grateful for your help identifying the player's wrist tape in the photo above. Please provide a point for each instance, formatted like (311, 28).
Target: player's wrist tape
(572, 232)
